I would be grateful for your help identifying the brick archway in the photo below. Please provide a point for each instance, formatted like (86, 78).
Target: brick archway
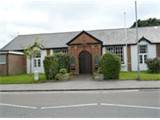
(92, 47)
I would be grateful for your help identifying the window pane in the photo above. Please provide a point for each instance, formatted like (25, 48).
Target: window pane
(143, 49)
(35, 63)
(60, 50)
(118, 50)
(2, 59)
(140, 59)
(38, 55)
(39, 63)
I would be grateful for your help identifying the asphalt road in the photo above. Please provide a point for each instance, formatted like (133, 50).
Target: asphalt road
(124, 103)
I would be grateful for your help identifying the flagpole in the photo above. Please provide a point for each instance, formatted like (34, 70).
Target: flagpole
(138, 68)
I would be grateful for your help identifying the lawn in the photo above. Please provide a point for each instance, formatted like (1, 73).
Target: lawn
(143, 75)
(21, 79)
(29, 79)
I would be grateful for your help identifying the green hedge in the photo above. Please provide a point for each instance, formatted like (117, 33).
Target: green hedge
(110, 66)
(51, 67)
(52, 64)
(153, 65)
(63, 60)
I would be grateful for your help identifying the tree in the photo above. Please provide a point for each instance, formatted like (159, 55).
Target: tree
(147, 22)
(32, 51)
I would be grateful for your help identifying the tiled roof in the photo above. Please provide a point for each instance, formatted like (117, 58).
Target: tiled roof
(107, 36)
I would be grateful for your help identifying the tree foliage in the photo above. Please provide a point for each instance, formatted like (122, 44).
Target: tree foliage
(147, 22)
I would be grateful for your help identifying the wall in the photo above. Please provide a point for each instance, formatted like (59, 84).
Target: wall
(16, 64)
(151, 54)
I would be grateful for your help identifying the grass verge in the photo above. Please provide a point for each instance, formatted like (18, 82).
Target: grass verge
(21, 79)
(143, 76)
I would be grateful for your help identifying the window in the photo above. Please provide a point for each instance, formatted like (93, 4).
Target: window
(2, 59)
(118, 50)
(142, 54)
(37, 60)
(60, 50)
(143, 49)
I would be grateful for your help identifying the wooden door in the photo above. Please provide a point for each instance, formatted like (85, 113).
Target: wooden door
(85, 62)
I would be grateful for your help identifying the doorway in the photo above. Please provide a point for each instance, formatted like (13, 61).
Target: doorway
(85, 62)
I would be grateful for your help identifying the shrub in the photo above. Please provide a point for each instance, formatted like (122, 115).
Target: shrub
(63, 71)
(51, 67)
(63, 60)
(52, 64)
(62, 75)
(153, 65)
(110, 66)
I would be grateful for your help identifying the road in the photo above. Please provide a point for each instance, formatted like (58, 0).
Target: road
(94, 104)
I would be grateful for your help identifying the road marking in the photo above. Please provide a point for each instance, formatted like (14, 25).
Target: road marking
(130, 106)
(69, 106)
(19, 106)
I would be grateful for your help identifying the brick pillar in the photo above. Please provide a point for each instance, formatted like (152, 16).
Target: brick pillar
(157, 50)
(129, 58)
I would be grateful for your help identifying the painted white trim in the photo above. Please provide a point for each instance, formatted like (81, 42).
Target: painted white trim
(12, 52)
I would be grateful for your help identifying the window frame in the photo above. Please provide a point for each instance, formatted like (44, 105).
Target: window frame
(64, 50)
(118, 50)
(143, 55)
(37, 60)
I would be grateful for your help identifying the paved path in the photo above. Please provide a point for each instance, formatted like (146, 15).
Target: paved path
(82, 83)
(117, 103)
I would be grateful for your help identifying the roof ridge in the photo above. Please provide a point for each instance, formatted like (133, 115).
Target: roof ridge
(86, 31)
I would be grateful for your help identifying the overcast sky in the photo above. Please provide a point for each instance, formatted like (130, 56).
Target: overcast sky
(42, 16)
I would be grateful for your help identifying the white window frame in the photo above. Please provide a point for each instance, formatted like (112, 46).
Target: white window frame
(36, 61)
(143, 60)
(114, 50)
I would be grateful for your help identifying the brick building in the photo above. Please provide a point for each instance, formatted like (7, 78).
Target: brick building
(85, 47)
(12, 63)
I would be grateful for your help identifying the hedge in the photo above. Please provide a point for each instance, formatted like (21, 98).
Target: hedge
(52, 64)
(110, 66)
(153, 65)
(51, 67)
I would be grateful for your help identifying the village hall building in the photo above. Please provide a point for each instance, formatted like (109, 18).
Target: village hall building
(84, 47)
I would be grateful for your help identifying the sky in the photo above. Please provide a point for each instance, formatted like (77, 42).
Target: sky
(47, 16)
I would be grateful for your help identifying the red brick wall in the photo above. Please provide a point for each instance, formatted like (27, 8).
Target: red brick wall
(129, 58)
(3, 69)
(16, 64)
(158, 50)
(84, 43)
